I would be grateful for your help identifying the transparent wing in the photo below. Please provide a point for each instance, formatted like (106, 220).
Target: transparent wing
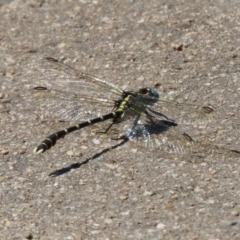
(68, 106)
(184, 113)
(168, 136)
(63, 77)
(162, 135)
(158, 133)
(69, 94)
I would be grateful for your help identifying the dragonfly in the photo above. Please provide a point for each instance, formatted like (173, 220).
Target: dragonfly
(141, 115)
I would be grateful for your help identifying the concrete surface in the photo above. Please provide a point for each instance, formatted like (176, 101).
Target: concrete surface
(109, 190)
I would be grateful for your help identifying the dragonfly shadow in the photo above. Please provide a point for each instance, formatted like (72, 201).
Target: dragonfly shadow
(165, 125)
(79, 164)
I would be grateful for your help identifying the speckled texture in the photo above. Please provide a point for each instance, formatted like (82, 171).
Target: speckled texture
(120, 191)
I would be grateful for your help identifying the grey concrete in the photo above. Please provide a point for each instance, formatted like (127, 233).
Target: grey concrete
(189, 48)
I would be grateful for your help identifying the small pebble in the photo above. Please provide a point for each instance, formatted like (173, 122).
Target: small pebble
(123, 197)
(177, 47)
(235, 213)
(28, 235)
(4, 152)
(148, 193)
(160, 226)
(95, 141)
(61, 45)
(70, 153)
(108, 220)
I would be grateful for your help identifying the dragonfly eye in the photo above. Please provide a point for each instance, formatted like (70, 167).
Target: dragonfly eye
(149, 92)
(144, 91)
(154, 93)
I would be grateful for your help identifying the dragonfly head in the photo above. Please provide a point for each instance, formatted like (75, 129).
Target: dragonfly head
(152, 94)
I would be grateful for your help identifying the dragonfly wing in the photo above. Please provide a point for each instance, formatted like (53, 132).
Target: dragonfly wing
(184, 113)
(68, 94)
(68, 106)
(161, 134)
(63, 77)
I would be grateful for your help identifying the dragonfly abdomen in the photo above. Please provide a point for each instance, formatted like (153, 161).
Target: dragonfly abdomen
(52, 139)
